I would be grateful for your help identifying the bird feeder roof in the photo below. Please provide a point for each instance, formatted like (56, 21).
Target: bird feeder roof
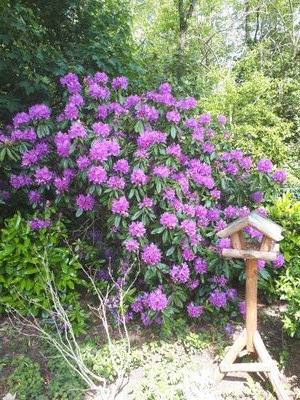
(256, 221)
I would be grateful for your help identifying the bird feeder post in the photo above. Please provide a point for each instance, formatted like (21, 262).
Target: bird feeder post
(251, 302)
(250, 337)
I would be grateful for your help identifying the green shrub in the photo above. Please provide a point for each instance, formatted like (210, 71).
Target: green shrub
(23, 254)
(25, 380)
(286, 211)
(65, 384)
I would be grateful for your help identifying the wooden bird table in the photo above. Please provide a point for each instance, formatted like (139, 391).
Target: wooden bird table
(250, 341)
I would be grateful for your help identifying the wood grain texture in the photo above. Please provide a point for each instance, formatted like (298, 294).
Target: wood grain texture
(249, 254)
(251, 302)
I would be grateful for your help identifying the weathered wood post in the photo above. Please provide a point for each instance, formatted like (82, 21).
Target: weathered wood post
(250, 337)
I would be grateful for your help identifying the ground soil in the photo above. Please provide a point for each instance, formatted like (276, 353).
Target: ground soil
(283, 349)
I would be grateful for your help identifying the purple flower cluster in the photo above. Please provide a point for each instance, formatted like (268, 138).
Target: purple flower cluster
(194, 311)
(120, 206)
(264, 165)
(38, 224)
(168, 220)
(218, 299)
(151, 254)
(137, 229)
(85, 203)
(180, 273)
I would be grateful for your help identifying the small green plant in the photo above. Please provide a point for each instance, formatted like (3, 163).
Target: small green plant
(65, 383)
(195, 342)
(25, 380)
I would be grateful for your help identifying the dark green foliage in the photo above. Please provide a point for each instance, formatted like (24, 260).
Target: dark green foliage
(23, 254)
(42, 40)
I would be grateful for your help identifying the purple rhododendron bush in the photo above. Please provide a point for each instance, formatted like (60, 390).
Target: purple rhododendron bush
(151, 177)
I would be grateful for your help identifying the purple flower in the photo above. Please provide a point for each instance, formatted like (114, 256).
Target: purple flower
(232, 168)
(246, 162)
(39, 111)
(146, 319)
(101, 111)
(215, 193)
(20, 118)
(257, 197)
(174, 150)
(101, 129)
(260, 264)
(116, 183)
(102, 150)
(101, 77)
(207, 147)
(189, 227)
(70, 112)
(242, 308)
(162, 171)
(132, 245)
(168, 220)
(180, 273)
(165, 88)
(280, 176)
(221, 119)
(98, 92)
(264, 165)
(200, 265)
(231, 294)
(230, 212)
(43, 176)
(76, 99)
(121, 82)
(193, 284)
(19, 181)
(205, 119)
(37, 224)
(148, 138)
(121, 166)
(217, 299)
(138, 177)
(173, 116)
(157, 300)
(63, 144)
(85, 203)
(34, 196)
(194, 311)
(97, 175)
(77, 130)
(27, 135)
(229, 329)
(151, 254)
(137, 229)
(132, 101)
(146, 202)
(83, 162)
(120, 206)
(71, 81)
(223, 243)
(149, 113)
(187, 104)
(279, 261)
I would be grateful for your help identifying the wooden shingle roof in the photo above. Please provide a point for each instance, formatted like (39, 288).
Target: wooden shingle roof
(256, 221)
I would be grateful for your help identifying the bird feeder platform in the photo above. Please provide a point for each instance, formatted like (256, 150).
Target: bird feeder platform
(250, 341)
